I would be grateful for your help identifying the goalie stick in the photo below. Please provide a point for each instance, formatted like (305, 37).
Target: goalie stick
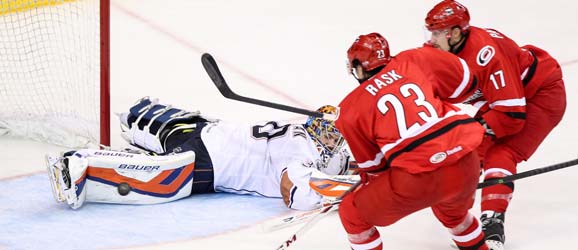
(214, 73)
(331, 187)
(317, 217)
(298, 218)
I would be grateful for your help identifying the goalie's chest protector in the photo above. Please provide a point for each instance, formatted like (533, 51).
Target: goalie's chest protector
(250, 159)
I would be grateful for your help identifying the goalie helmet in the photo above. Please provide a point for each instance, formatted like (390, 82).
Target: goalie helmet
(326, 136)
(370, 51)
(448, 14)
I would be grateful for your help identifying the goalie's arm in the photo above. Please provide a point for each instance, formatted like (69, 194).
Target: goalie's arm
(295, 189)
(306, 188)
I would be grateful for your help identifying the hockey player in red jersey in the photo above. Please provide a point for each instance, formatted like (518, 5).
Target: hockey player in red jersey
(520, 93)
(414, 149)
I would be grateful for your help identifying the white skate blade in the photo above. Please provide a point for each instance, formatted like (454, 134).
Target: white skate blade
(492, 244)
(54, 174)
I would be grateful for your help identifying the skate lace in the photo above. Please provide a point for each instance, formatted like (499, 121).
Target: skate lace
(486, 221)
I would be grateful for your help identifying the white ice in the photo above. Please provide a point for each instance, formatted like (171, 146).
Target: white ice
(293, 52)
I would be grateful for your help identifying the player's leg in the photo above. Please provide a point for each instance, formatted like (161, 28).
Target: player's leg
(377, 204)
(120, 177)
(148, 124)
(543, 112)
(361, 234)
(458, 182)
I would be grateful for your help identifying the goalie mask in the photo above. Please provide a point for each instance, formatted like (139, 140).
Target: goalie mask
(328, 139)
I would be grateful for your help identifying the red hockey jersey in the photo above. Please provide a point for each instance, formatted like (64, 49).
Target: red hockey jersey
(502, 69)
(398, 118)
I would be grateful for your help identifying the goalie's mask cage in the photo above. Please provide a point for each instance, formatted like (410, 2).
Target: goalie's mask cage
(54, 70)
(324, 133)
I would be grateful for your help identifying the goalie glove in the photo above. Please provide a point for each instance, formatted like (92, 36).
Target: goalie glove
(331, 186)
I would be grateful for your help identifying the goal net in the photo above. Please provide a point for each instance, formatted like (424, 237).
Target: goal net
(54, 70)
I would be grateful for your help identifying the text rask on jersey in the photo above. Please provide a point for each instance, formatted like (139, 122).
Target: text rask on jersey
(381, 81)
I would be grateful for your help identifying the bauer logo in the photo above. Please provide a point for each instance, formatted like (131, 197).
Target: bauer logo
(139, 167)
(438, 157)
(113, 154)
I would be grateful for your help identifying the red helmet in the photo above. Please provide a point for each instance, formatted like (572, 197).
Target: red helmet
(448, 14)
(371, 51)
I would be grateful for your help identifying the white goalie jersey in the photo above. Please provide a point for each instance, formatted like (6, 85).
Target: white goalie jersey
(252, 160)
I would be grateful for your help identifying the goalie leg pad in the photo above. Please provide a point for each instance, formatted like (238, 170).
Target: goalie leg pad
(126, 178)
(148, 122)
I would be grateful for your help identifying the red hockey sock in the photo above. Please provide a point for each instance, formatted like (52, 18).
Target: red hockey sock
(497, 198)
(360, 234)
(367, 240)
(469, 235)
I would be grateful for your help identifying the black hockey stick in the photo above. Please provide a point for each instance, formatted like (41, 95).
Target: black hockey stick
(528, 173)
(212, 69)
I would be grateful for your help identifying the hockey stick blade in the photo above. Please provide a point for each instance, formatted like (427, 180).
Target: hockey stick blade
(214, 73)
(295, 219)
(317, 217)
(528, 173)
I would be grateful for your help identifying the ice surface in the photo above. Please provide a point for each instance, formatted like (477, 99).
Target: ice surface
(291, 52)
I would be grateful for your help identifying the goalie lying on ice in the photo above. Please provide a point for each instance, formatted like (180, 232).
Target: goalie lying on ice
(185, 153)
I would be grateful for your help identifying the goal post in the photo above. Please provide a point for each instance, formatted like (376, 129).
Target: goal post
(54, 70)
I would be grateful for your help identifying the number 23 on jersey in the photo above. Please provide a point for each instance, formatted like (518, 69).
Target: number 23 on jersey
(412, 98)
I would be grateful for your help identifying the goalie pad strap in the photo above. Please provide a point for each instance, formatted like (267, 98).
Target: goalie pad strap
(148, 123)
(156, 116)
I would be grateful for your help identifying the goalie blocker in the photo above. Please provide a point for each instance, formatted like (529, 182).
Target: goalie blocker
(200, 155)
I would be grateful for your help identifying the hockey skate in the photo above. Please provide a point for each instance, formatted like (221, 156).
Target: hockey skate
(63, 187)
(493, 227)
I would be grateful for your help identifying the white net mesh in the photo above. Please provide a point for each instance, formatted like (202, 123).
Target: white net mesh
(50, 70)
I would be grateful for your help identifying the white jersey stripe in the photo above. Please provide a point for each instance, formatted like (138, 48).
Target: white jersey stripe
(479, 104)
(371, 163)
(509, 102)
(468, 237)
(524, 73)
(465, 80)
(420, 130)
(497, 170)
(370, 245)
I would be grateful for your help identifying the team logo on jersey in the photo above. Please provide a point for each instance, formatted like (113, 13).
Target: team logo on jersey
(485, 55)
(438, 157)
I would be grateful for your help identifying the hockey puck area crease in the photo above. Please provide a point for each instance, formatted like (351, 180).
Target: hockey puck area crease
(123, 188)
